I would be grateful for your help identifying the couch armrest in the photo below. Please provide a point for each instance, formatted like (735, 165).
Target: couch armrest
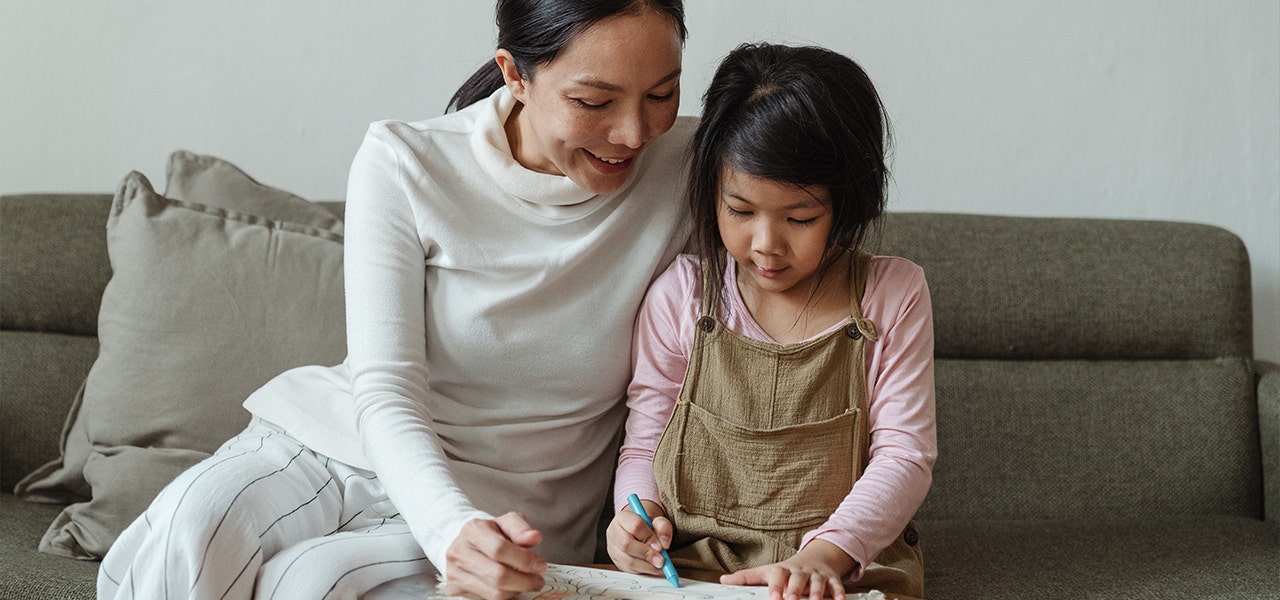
(1269, 430)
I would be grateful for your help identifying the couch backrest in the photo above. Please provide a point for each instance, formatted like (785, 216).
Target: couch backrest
(1087, 366)
(1084, 366)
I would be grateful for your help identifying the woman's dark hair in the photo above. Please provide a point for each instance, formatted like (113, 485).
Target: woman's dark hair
(535, 31)
(801, 115)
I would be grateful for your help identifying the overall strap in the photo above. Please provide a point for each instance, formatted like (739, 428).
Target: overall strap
(860, 265)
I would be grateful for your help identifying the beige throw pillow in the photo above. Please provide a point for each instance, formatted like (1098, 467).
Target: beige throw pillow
(208, 300)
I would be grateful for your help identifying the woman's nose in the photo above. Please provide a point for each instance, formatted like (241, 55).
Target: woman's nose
(632, 130)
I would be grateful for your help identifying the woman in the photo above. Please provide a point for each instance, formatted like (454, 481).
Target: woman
(495, 259)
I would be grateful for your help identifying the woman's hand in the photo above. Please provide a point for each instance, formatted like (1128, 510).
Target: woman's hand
(634, 547)
(491, 560)
(817, 570)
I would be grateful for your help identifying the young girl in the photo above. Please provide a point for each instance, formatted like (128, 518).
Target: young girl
(782, 425)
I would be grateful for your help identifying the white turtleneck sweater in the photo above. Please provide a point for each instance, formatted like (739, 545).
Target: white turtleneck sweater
(489, 319)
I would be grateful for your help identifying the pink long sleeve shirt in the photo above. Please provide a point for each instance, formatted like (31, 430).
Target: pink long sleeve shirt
(899, 385)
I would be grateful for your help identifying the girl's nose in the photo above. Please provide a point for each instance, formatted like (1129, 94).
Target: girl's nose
(766, 239)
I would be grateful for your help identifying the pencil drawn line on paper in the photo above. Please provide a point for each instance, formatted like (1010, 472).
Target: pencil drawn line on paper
(565, 582)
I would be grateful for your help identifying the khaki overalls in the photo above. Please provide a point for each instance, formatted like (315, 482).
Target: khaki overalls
(764, 443)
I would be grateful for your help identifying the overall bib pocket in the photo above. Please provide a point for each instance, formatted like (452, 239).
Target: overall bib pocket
(737, 476)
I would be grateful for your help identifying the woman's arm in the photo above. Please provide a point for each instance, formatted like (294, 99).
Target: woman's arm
(384, 271)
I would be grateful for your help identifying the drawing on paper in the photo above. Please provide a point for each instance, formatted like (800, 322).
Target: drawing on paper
(565, 582)
(584, 583)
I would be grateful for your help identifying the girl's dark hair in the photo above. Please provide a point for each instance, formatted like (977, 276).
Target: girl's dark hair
(535, 31)
(801, 115)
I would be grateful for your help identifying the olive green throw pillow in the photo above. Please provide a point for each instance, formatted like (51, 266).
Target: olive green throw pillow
(210, 297)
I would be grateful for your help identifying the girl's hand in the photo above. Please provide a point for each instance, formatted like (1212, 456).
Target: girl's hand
(491, 559)
(816, 571)
(634, 547)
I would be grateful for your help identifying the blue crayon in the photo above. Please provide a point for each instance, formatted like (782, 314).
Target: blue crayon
(668, 569)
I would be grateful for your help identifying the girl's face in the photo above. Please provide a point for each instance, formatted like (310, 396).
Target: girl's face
(777, 232)
(592, 110)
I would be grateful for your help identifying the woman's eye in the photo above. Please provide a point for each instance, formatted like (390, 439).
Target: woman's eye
(735, 212)
(809, 221)
(584, 104)
(661, 97)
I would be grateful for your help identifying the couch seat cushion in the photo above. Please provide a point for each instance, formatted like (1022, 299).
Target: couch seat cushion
(29, 573)
(1187, 557)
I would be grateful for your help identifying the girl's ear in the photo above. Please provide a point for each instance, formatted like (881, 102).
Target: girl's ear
(511, 74)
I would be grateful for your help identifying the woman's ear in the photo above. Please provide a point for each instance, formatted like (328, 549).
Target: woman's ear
(510, 73)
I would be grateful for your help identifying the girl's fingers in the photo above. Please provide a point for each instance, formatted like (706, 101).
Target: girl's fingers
(744, 577)
(837, 588)
(627, 547)
(817, 587)
(663, 528)
(779, 581)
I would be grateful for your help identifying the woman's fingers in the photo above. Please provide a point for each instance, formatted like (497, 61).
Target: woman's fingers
(491, 559)
(519, 531)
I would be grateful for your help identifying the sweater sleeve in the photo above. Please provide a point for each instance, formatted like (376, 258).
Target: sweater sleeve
(384, 279)
(663, 336)
(902, 423)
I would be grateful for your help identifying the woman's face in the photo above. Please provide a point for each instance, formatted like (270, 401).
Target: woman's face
(592, 110)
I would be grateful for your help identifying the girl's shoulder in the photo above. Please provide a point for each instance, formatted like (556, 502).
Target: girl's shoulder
(894, 268)
(892, 283)
(682, 278)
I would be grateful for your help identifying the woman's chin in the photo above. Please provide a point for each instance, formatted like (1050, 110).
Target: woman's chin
(598, 183)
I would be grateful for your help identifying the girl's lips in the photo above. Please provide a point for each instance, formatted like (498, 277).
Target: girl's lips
(769, 273)
(606, 167)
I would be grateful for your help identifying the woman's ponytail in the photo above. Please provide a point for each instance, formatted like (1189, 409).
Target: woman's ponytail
(485, 81)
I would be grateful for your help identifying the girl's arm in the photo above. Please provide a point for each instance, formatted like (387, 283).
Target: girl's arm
(384, 278)
(902, 422)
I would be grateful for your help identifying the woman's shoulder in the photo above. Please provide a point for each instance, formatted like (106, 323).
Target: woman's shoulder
(455, 125)
(417, 132)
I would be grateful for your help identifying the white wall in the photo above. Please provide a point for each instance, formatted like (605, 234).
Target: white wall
(1160, 109)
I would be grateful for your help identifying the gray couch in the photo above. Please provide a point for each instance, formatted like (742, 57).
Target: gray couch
(1104, 431)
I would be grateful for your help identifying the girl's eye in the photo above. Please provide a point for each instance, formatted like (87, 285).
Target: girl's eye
(735, 212)
(809, 221)
(589, 106)
(663, 97)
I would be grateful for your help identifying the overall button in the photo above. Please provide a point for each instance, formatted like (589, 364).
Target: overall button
(852, 331)
(910, 536)
(706, 324)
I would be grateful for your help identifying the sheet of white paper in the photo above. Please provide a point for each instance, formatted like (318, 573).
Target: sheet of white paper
(566, 582)
(584, 583)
